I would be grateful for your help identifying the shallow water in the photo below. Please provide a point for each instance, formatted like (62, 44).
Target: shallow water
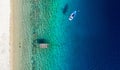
(39, 20)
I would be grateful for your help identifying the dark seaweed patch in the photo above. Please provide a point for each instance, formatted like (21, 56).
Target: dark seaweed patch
(19, 46)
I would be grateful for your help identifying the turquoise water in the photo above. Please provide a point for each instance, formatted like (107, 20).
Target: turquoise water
(41, 19)
(47, 24)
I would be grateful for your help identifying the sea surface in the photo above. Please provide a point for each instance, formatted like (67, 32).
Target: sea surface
(89, 42)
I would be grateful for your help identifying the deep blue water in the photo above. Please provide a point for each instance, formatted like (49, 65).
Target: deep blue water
(95, 32)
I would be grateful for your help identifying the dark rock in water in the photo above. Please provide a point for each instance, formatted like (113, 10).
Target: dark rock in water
(41, 41)
(19, 46)
(65, 9)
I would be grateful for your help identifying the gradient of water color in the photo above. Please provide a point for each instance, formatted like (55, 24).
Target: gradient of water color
(85, 43)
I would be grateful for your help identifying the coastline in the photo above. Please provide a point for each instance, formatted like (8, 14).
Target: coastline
(11, 35)
(25, 23)
(19, 50)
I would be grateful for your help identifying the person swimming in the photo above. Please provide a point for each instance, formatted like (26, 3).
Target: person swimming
(72, 15)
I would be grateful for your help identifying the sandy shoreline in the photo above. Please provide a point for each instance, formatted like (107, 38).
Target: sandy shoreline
(19, 46)
(11, 34)
(13, 37)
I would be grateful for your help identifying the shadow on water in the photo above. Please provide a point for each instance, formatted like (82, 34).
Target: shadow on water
(65, 9)
(39, 41)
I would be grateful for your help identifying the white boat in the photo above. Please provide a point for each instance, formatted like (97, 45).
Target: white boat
(72, 15)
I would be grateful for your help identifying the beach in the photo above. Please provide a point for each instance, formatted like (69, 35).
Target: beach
(20, 55)
(4, 35)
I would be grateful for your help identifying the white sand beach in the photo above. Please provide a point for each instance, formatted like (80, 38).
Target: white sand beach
(4, 34)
